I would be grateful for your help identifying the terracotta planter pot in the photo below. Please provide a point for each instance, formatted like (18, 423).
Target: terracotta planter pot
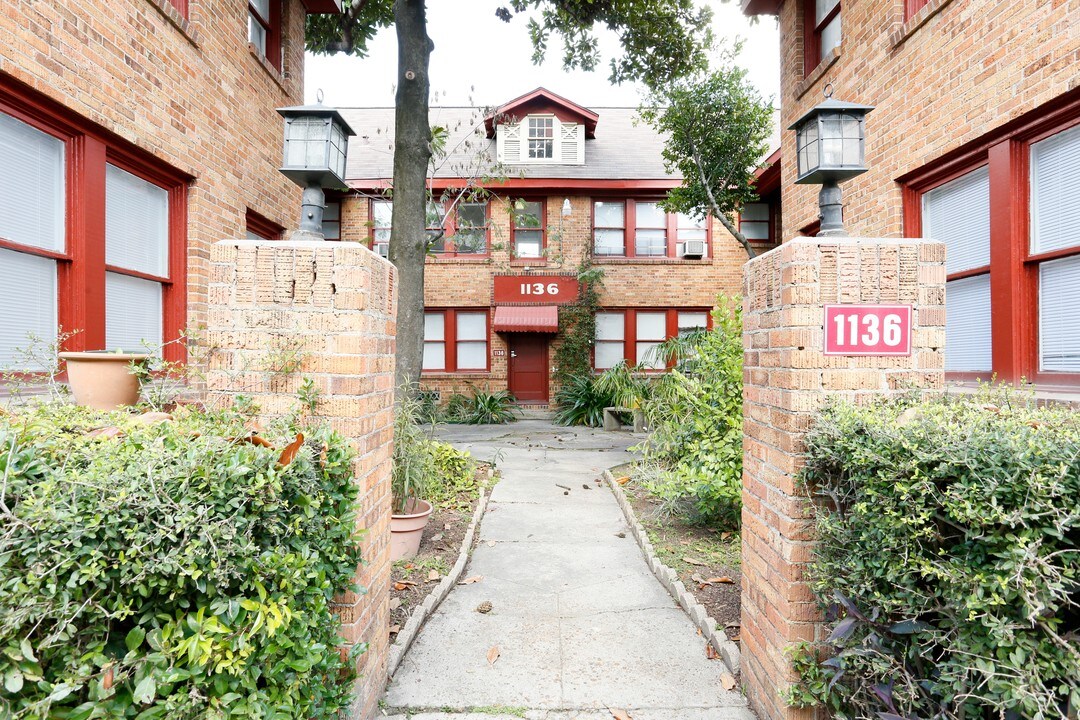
(407, 529)
(103, 380)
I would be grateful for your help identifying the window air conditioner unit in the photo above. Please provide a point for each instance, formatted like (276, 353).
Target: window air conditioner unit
(693, 249)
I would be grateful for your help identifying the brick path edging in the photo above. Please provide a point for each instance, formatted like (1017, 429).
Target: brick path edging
(729, 650)
(412, 627)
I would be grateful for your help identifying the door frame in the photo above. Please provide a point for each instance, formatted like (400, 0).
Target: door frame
(545, 375)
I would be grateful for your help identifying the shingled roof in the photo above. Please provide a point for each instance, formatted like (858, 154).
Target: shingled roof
(622, 149)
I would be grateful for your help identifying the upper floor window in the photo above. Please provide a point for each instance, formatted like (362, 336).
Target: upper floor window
(641, 228)
(755, 221)
(463, 232)
(821, 20)
(111, 269)
(541, 139)
(528, 228)
(264, 29)
(331, 220)
(262, 228)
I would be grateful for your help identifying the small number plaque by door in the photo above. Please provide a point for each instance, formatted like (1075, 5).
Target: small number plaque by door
(868, 330)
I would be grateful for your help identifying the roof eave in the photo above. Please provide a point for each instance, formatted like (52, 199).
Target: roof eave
(761, 7)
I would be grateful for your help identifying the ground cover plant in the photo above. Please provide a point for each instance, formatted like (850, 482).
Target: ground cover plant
(949, 560)
(158, 566)
(480, 408)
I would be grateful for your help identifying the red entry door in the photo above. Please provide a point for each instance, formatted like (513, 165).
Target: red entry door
(529, 366)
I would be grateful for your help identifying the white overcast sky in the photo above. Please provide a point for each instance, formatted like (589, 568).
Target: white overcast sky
(480, 60)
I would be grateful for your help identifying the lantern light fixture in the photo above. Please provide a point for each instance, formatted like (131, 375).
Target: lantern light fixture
(315, 150)
(830, 144)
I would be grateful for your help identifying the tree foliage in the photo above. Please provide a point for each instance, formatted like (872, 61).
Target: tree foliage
(717, 128)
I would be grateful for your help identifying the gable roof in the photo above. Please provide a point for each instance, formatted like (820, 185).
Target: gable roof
(626, 150)
(543, 100)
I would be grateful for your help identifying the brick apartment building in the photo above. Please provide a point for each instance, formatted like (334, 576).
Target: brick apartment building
(573, 180)
(975, 141)
(133, 134)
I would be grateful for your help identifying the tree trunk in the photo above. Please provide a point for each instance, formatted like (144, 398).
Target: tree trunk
(412, 152)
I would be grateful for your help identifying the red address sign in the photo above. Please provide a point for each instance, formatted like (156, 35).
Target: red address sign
(868, 330)
(536, 289)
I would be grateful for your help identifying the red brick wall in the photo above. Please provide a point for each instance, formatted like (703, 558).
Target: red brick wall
(957, 70)
(188, 91)
(331, 307)
(787, 379)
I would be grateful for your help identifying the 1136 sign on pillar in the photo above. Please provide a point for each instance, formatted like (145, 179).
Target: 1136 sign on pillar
(868, 330)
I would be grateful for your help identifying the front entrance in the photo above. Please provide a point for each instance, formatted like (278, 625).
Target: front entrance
(528, 371)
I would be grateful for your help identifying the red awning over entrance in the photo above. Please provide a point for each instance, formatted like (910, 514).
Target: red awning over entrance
(527, 318)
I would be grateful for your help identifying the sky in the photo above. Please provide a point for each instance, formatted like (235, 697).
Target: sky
(480, 60)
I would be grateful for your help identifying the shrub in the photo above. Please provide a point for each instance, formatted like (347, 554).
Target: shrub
(455, 475)
(174, 571)
(694, 413)
(950, 558)
(580, 402)
(483, 408)
(412, 474)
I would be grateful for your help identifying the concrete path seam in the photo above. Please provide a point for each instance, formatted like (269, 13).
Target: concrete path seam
(412, 627)
(728, 650)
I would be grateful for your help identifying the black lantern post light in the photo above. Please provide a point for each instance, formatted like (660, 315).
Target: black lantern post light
(830, 142)
(316, 144)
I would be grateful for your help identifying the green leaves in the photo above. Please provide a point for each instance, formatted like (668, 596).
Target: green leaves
(131, 572)
(949, 557)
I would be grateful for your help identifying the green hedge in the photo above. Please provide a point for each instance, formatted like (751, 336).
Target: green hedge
(177, 571)
(950, 559)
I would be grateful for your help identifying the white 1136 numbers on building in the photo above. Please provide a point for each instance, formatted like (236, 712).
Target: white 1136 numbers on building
(539, 289)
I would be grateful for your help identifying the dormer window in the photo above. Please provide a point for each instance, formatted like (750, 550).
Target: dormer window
(541, 138)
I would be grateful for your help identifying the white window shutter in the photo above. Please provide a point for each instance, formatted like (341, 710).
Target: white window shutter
(508, 145)
(1059, 295)
(1055, 192)
(572, 144)
(958, 214)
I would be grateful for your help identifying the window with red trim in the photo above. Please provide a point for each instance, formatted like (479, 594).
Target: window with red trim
(821, 23)
(464, 233)
(92, 237)
(527, 231)
(1008, 212)
(913, 6)
(756, 222)
(632, 335)
(641, 228)
(261, 228)
(264, 29)
(181, 7)
(456, 340)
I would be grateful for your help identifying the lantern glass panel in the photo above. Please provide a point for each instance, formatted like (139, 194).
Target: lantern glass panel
(808, 146)
(307, 143)
(832, 141)
(338, 145)
(852, 133)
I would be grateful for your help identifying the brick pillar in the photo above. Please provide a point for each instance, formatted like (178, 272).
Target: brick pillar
(280, 312)
(787, 378)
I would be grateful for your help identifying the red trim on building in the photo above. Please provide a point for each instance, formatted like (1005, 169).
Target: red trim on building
(761, 7)
(1013, 269)
(812, 34)
(543, 101)
(562, 185)
(913, 6)
(671, 325)
(262, 226)
(768, 175)
(450, 340)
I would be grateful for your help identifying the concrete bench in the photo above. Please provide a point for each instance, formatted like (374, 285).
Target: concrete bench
(612, 421)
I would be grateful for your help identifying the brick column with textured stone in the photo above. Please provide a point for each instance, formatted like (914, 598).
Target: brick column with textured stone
(787, 379)
(281, 312)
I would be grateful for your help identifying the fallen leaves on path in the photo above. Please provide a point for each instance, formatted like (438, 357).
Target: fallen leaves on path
(710, 652)
(395, 603)
(727, 681)
(703, 583)
(493, 654)
(433, 576)
(394, 629)
(694, 561)
(491, 543)
(622, 481)
(619, 714)
(471, 580)
(402, 584)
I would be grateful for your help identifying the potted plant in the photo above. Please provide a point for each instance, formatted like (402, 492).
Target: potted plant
(104, 379)
(412, 475)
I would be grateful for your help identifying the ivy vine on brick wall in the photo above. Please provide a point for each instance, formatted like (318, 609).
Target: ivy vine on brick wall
(577, 323)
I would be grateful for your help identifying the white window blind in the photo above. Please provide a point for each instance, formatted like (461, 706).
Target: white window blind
(434, 341)
(958, 214)
(28, 299)
(472, 341)
(31, 186)
(692, 321)
(651, 233)
(607, 216)
(136, 223)
(967, 324)
(610, 334)
(132, 313)
(1055, 192)
(1059, 299)
(651, 331)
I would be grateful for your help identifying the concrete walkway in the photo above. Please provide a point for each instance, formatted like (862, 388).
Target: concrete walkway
(580, 623)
